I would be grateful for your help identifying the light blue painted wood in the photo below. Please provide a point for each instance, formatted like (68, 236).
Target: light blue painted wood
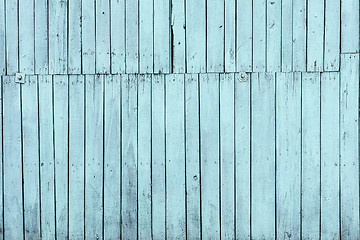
(47, 161)
(192, 154)
(144, 156)
(349, 26)
(242, 154)
(332, 36)
(76, 156)
(12, 158)
(330, 168)
(102, 31)
(61, 147)
(262, 156)
(196, 36)
(2, 169)
(215, 36)
(230, 36)
(26, 36)
(132, 37)
(288, 155)
(349, 147)
(310, 154)
(75, 20)
(299, 34)
(94, 153)
(287, 34)
(244, 36)
(227, 155)
(162, 43)
(117, 22)
(210, 155)
(12, 36)
(315, 35)
(146, 40)
(175, 157)
(273, 35)
(30, 136)
(158, 156)
(58, 29)
(2, 39)
(129, 156)
(178, 29)
(41, 37)
(88, 36)
(112, 157)
(259, 35)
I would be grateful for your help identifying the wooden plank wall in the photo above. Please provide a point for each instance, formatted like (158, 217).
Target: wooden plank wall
(176, 156)
(175, 36)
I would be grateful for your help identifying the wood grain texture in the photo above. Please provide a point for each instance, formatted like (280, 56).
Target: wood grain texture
(31, 160)
(288, 146)
(349, 148)
(13, 164)
(310, 155)
(262, 156)
(210, 155)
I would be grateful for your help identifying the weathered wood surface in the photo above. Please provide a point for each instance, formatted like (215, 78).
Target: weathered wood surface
(233, 156)
(175, 36)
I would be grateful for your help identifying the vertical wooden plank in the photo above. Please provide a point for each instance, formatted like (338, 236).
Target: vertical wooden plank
(26, 36)
(332, 36)
(58, 29)
(273, 36)
(175, 157)
(75, 36)
(209, 154)
(146, 40)
(310, 152)
(102, 36)
(2, 167)
(158, 155)
(227, 155)
(161, 36)
(61, 121)
(330, 205)
(178, 36)
(12, 36)
(230, 36)
(263, 156)
(144, 156)
(94, 150)
(215, 36)
(129, 158)
(41, 37)
(13, 201)
(47, 168)
(299, 35)
(242, 155)
(76, 156)
(259, 36)
(288, 155)
(131, 33)
(88, 36)
(195, 36)
(349, 147)
(287, 34)
(244, 36)
(192, 156)
(30, 135)
(2, 39)
(349, 26)
(117, 29)
(315, 41)
(112, 157)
